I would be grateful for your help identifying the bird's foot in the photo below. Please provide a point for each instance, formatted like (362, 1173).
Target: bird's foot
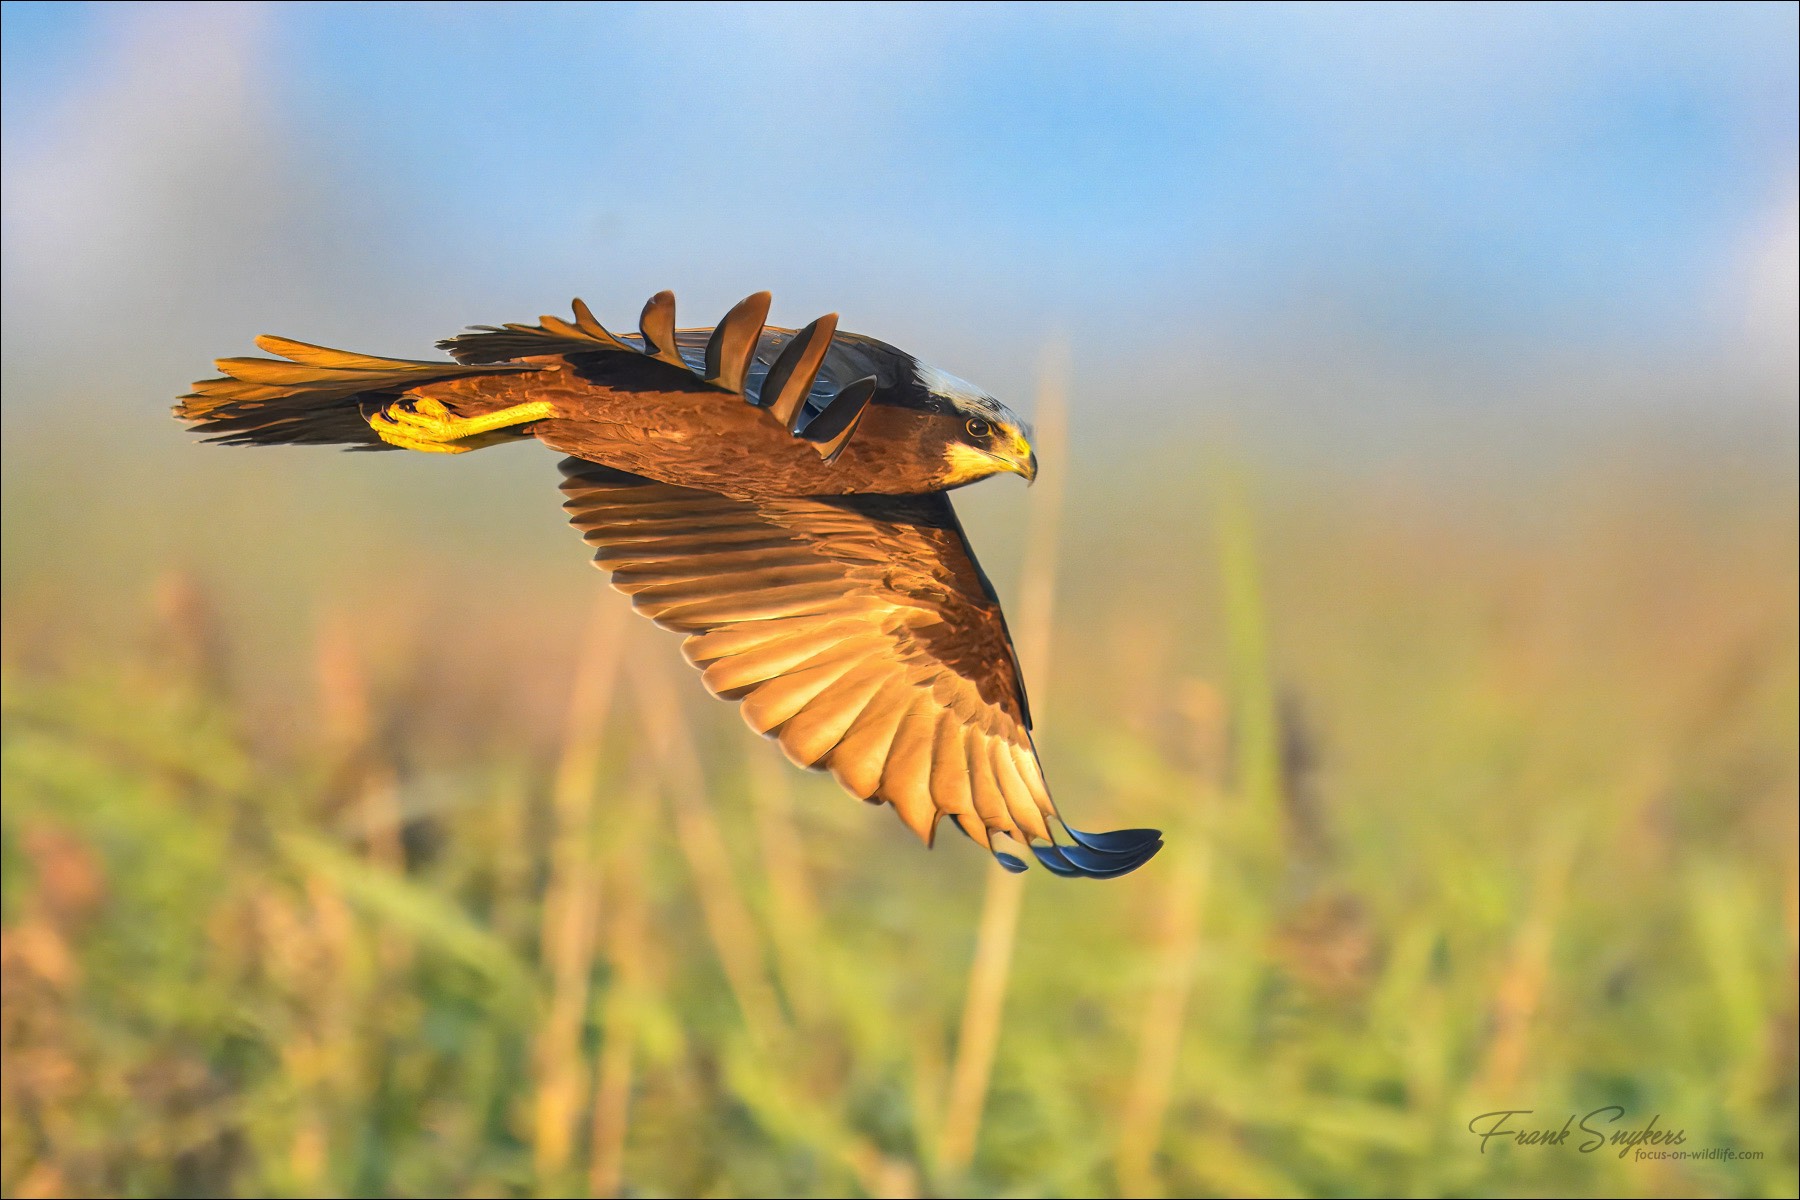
(422, 423)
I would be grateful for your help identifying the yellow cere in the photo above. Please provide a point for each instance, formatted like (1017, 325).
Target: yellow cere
(968, 463)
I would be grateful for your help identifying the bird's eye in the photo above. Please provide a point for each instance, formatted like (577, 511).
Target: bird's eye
(978, 428)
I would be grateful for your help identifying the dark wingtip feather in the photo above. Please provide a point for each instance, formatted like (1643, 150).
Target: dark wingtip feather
(1097, 864)
(1100, 856)
(1118, 841)
(1089, 859)
(1052, 860)
(1010, 862)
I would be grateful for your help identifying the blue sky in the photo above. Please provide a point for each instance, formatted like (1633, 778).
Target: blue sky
(1465, 183)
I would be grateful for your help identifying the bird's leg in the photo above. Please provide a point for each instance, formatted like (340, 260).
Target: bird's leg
(422, 423)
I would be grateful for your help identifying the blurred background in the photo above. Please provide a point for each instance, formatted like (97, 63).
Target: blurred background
(1417, 548)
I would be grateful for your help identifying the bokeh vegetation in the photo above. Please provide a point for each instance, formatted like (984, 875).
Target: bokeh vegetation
(433, 874)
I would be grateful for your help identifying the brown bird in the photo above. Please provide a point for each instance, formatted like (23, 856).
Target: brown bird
(777, 495)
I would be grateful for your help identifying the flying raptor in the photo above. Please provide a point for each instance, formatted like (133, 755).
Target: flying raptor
(778, 495)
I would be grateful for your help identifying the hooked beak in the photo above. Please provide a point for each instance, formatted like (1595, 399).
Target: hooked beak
(1021, 459)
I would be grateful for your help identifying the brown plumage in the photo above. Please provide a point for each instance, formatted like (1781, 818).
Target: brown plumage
(779, 496)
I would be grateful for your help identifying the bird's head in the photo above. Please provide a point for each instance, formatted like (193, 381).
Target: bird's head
(980, 436)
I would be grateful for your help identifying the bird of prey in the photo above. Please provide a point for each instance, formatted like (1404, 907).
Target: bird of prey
(777, 495)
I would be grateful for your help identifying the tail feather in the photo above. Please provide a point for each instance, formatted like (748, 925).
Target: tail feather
(325, 356)
(312, 395)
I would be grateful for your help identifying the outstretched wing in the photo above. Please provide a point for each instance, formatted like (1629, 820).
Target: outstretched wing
(860, 632)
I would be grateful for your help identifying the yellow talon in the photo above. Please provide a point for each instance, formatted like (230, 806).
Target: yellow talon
(406, 443)
(423, 423)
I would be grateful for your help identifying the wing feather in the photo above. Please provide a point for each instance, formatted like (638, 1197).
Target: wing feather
(779, 658)
(906, 778)
(857, 630)
(691, 611)
(818, 728)
(704, 649)
(771, 704)
(1020, 806)
(984, 788)
(950, 766)
(858, 759)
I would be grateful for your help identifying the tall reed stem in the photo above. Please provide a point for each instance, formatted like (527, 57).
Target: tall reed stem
(572, 897)
(1159, 1039)
(734, 933)
(627, 954)
(978, 1039)
(1256, 766)
(794, 925)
